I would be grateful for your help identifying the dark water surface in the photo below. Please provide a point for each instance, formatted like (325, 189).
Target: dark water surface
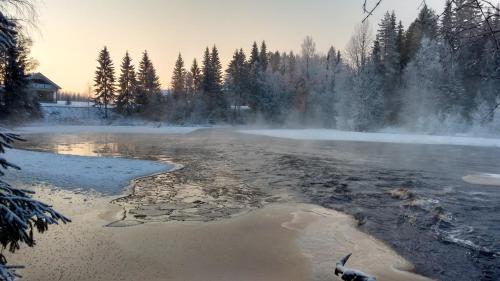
(410, 196)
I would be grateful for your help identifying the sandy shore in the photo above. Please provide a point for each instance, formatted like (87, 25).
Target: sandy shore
(277, 242)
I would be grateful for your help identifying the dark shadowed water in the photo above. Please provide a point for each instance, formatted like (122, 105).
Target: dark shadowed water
(410, 196)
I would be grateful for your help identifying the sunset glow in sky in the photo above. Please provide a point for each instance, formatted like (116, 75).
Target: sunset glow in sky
(71, 32)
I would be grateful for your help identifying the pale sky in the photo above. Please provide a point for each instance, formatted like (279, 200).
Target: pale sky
(71, 32)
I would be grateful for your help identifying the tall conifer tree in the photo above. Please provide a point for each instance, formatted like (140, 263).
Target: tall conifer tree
(217, 70)
(127, 84)
(207, 70)
(196, 74)
(148, 85)
(178, 79)
(104, 81)
(263, 56)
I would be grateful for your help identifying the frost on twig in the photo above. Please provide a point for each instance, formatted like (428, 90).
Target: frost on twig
(20, 214)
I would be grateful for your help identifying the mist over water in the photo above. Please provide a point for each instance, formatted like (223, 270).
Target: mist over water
(412, 197)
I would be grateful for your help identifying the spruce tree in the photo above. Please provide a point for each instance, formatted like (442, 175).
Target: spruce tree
(104, 81)
(275, 61)
(218, 104)
(237, 81)
(214, 101)
(391, 58)
(401, 46)
(127, 82)
(17, 102)
(263, 56)
(196, 74)
(255, 70)
(425, 26)
(178, 79)
(148, 97)
(217, 70)
(207, 70)
(179, 102)
(331, 58)
(292, 65)
(446, 29)
(254, 54)
(147, 78)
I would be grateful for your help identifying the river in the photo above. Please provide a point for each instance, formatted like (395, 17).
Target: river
(412, 197)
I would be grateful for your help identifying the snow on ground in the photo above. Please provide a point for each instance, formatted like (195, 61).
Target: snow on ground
(336, 135)
(104, 175)
(72, 129)
(72, 104)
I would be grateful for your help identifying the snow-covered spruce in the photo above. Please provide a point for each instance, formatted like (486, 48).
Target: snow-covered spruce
(20, 214)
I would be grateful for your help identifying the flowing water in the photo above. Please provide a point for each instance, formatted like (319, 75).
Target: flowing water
(410, 196)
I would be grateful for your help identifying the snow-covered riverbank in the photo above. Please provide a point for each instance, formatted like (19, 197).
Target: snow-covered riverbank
(71, 129)
(336, 135)
(102, 174)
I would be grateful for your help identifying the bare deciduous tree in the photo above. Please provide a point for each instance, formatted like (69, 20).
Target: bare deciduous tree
(359, 45)
(308, 52)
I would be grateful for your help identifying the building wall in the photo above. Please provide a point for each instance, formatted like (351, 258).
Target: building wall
(47, 96)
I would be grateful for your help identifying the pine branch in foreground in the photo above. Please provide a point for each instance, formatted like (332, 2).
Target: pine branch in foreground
(20, 214)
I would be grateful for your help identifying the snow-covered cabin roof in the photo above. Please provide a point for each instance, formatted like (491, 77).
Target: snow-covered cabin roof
(38, 77)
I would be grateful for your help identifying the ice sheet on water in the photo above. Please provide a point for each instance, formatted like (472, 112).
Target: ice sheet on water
(337, 135)
(102, 174)
(73, 129)
(483, 179)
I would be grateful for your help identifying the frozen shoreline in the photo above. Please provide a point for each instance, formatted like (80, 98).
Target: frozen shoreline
(337, 135)
(272, 243)
(102, 174)
(322, 262)
(71, 129)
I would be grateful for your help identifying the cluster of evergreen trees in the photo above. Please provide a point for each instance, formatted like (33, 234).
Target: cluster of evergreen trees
(140, 93)
(441, 70)
(440, 73)
(198, 95)
(134, 93)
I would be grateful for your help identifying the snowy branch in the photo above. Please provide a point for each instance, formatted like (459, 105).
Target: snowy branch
(19, 214)
(488, 24)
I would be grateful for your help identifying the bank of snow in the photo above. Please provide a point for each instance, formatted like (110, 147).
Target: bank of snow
(104, 175)
(336, 135)
(70, 129)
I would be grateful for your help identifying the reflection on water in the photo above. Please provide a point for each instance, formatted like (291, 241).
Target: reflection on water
(86, 149)
(98, 145)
